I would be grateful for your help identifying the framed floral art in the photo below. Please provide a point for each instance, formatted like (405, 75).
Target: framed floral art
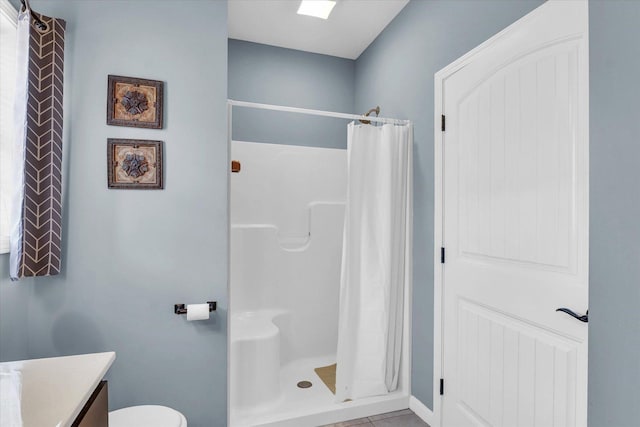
(135, 102)
(134, 164)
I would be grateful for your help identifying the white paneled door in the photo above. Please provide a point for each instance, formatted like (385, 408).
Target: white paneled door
(514, 224)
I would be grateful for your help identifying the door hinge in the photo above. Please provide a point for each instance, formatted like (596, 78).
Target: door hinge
(441, 386)
(442, 255)
(442, 125)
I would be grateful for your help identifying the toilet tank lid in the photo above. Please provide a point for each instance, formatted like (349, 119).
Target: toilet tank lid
(147, 415)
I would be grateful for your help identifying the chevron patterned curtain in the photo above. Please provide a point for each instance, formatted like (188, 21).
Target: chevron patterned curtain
(37, 202)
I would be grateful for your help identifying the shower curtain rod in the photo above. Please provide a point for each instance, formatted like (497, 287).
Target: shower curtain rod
(246, 104)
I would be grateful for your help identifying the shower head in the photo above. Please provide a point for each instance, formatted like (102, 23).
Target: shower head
(373, 110)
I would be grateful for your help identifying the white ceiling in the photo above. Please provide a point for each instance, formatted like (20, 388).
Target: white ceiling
(350, 29)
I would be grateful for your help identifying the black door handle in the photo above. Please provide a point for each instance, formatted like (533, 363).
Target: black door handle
(584, 318)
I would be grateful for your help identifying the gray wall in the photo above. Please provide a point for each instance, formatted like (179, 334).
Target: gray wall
(614, 289)
(396, 72)
(273, 75)
(14, 314)
(130, 255)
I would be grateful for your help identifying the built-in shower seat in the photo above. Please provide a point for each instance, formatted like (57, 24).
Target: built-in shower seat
(255, 348)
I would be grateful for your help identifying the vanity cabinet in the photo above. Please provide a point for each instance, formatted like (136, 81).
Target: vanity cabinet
(95, 412)
(68, 391)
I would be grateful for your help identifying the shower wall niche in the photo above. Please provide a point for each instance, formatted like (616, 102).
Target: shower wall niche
(287, 214)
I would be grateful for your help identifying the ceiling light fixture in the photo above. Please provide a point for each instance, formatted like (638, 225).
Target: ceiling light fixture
(316, 8)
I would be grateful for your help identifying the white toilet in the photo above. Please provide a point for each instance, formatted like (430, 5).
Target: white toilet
(147, 416)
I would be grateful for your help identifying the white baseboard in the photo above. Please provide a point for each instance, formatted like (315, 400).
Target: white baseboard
(422, 411)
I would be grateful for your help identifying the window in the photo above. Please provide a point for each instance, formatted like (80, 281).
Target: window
(8, 20)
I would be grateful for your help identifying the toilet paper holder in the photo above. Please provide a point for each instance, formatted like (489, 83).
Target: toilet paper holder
(182, 308)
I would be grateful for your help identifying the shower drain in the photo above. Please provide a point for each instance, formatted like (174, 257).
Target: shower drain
(304, 384)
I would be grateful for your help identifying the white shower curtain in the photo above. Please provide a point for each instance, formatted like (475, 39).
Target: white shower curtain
(376, 260)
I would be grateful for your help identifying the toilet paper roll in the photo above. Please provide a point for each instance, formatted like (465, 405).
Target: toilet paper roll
(197, 312)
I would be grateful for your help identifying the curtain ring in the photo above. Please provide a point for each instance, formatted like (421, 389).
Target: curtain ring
(25, 6)
(40, 26)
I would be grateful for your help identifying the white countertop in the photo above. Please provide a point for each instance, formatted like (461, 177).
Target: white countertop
(49, 392)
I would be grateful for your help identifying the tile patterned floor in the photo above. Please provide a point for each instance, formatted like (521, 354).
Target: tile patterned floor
(404, 418)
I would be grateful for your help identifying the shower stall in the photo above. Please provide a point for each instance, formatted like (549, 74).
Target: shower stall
(287, 237)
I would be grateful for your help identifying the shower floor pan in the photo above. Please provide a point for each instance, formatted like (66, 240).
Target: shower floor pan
(265, 394)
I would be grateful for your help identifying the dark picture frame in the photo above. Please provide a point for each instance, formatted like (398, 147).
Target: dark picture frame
(134, 164)
(135, 102)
